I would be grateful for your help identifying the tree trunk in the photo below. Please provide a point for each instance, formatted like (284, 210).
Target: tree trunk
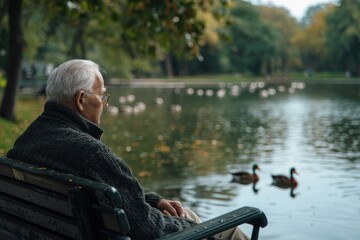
(169, 66)
(16, 45)
(78, 48)
(3, 7)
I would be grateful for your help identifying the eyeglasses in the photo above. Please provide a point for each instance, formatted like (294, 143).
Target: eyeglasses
(104, 97)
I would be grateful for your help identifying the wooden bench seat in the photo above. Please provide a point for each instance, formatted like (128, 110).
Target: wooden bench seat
(39, 203)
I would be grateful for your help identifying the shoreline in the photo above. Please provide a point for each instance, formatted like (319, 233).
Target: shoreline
(160, 83)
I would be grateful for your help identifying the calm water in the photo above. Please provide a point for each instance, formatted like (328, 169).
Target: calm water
(183, 141)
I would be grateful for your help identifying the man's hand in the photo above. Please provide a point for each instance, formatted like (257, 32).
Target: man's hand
(171, 208)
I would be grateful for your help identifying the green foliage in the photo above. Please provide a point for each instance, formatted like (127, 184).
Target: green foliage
(310, 12)
(283, 28)
(311, 40)
(343, 36)
(159, 22)
(130, 38)
(115, 33)
(253, 41)
(154, 27)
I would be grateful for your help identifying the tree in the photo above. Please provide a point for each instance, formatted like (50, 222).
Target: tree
(15, 53)
(169, 27)
(307, 19)
(253, 42)
(311, 40)
(343, 36)
(3, 35)
(215, 31)
(283, 27)
(3, 6)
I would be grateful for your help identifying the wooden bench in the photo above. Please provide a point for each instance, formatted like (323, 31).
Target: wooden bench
(38, 203)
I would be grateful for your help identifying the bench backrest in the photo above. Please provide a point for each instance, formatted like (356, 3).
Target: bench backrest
(38, 203)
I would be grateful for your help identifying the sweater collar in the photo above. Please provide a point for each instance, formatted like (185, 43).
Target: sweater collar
(73, 118)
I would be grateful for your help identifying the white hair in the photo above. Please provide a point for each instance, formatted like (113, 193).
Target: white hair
(70, 77)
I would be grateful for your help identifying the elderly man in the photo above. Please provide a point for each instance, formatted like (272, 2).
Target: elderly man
(66, 138)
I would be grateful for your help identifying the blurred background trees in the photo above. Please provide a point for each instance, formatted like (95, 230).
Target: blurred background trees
(153, 38)
(343, 36)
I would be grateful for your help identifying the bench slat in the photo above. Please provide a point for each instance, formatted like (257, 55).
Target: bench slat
(26, 176)
(39, 216)
(35, 195)
(106, 195)
(10, 224)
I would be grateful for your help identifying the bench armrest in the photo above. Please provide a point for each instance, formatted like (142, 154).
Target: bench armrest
(208, 228)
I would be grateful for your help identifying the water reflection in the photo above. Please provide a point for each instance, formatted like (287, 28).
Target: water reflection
(188, 154)
(253, 184)
(291, 190)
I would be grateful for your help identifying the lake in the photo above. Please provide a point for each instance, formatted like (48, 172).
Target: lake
(183, 140)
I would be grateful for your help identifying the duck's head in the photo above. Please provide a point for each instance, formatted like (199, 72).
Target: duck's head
(256, 167)
(293, 171)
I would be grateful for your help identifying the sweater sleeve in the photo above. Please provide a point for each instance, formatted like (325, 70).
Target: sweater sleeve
(146, 221)
(152, 199)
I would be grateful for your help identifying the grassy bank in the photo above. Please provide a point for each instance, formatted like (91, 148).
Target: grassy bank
(26, 110)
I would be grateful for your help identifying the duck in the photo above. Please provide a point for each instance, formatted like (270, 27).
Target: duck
(284, 181)
(245, 177)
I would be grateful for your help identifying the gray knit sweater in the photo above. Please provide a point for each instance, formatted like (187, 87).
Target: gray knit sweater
(63, 140)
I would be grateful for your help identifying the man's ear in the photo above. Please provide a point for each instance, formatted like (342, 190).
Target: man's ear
(80, 100)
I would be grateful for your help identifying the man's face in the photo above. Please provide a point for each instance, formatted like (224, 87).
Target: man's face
(93, 104)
